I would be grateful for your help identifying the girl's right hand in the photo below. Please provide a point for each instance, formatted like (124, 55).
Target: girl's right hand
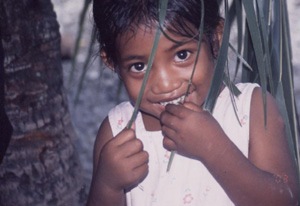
(122, 162)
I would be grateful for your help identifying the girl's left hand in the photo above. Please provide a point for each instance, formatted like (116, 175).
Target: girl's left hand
(190, 131)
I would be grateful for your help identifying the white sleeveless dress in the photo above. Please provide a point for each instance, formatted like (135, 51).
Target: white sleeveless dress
(188, 183)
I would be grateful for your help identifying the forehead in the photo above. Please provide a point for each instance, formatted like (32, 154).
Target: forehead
(140, 42)
(135, 33)
(146, 32)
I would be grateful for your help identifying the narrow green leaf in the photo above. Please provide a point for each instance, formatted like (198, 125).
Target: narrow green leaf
(79, 35)
(280, 99)
(192, 75)
(240, 57)
(231, 85)
(198, 48)
(232, 13)
(162, 14)
(246, 55)
(85, 65)
(287, 80)
(239, 19)
(257, 45)
(267, 57)
(220, 65)
(275, 42)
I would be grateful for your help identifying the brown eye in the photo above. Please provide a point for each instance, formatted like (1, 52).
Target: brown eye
(138, 67)
(182, 55)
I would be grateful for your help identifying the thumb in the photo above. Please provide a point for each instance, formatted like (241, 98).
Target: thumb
(126, 134)
(132, 126)
(193, 106)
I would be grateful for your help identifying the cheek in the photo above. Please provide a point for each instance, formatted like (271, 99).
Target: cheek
(132, 93)
(132, 88)
(203, 76)
(201, 81)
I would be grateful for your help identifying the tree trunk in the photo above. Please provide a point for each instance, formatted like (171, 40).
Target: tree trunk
(5, 126)
(41, 166)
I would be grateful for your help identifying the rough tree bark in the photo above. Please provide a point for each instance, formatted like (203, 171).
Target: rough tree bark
(41, 166)
(5, 126)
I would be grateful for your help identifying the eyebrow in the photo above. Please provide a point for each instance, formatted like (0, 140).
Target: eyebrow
(132, 57)
(173, 47)
(179, 44)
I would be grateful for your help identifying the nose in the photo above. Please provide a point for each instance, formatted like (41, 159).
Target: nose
(164, 81)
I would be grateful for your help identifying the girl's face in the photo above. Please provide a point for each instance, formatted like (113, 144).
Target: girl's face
(170, 73)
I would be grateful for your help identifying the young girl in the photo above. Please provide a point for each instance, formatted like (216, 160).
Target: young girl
(221, 159)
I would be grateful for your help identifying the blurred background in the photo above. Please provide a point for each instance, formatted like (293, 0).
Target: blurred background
(100, 89)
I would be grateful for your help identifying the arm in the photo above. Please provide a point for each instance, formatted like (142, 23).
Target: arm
(101, 195)
(119, 163)
(269, 176)
(253, 181)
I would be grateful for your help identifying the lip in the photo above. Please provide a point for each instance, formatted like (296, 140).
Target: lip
(159, 108)
(195, 99)
(156, 99)
(170, 100)
(176, 101)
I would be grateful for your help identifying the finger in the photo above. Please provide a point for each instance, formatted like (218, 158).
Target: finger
(139, 159)
(131, 147)
(168, 132)
(140, 172)
(169, 120)
(132, 125)
(176, 110)
(169, 144)
(193, 106)
(140, 165)
(124, 136)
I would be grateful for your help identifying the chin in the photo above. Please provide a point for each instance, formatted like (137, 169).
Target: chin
(151, 115)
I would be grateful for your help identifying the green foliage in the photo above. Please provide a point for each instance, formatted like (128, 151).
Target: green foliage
(79, 36)
(162, 15)
(267, 49)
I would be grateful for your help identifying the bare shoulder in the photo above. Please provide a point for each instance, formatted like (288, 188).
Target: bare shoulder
(273, 116)
(268, 149)
(103, 136)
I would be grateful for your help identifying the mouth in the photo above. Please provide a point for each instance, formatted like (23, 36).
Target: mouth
(176, 101)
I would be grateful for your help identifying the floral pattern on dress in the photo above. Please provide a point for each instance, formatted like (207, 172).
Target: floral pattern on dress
(167, 156)
(120, 123)
(206, 191)
(188, 198)
(153, 197)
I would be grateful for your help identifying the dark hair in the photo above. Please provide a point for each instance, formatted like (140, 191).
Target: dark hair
(115, 17)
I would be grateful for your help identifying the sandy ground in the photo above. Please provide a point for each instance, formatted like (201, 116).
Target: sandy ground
(99, 90)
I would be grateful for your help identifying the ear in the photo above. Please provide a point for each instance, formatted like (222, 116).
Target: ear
(217, 37)
(103, 56)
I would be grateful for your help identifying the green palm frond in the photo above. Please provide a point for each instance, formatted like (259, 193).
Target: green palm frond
(162, 15)
(267, 49)
(191, 78)
(220, 66)
(79, 36)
